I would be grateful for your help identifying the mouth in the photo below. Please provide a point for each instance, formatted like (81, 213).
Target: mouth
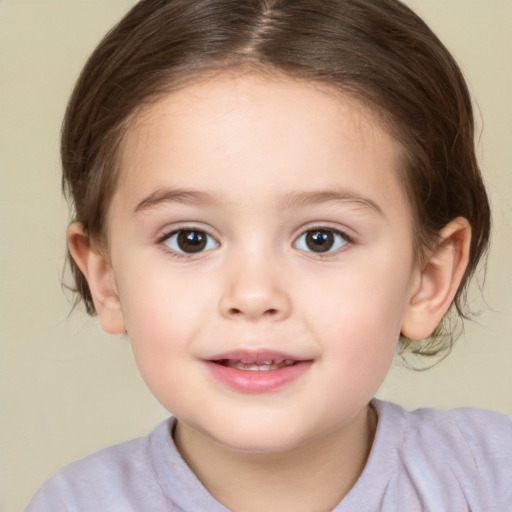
(258, 365)
(248, 372)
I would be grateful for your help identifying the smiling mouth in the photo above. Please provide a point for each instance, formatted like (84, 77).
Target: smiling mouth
(257, 372)
(251, 365)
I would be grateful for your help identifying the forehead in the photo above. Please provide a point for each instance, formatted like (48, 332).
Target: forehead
(238, 132)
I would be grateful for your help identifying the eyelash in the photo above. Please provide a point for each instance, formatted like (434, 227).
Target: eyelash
(346, 240)
(180, 254)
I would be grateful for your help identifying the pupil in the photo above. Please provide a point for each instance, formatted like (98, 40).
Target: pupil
(191, 241)
(320, 240)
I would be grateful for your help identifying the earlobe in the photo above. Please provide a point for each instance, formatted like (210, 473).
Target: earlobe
(97, 270)
(438, 280)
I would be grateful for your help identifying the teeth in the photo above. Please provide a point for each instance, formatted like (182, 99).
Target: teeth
(251, 361)
(251, 365)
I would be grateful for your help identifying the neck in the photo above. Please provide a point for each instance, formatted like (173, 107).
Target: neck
(315, 476)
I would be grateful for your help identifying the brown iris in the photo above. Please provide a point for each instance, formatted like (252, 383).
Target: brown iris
(319, 240)
(191, 241)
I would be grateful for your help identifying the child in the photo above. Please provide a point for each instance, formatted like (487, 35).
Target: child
(269, 195)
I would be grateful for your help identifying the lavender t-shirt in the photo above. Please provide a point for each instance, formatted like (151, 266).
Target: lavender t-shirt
(424, 460)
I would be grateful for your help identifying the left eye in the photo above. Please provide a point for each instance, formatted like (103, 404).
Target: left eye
(190, 241)
(321, 240)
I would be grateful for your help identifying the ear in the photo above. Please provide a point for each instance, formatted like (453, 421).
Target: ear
(438, 280)
(96, 267)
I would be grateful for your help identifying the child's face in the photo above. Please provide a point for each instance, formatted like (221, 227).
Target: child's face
(290, 196)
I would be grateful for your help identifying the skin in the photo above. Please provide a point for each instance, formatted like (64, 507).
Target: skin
(259, 159)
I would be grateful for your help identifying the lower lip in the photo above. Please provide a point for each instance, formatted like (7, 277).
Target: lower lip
(257, 381)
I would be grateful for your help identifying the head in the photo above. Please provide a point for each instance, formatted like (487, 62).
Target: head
(376, 52)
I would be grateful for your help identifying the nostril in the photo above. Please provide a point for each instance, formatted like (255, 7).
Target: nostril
(237, 312)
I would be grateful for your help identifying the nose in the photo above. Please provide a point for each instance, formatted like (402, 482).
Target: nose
(254, 290)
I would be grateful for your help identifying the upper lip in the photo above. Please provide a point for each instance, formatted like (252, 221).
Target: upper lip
(254, 356)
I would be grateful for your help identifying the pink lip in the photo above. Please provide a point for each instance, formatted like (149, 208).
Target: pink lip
(256, 381)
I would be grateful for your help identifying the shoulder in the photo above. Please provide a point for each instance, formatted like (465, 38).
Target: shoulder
(466, 449)
(462, 424)
(116, 478)
(483, 434)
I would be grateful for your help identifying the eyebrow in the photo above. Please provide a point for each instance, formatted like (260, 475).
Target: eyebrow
(290, 201)
(313, 198)
(179, 196)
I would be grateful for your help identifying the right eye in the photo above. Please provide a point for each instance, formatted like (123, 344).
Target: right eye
(190, 241)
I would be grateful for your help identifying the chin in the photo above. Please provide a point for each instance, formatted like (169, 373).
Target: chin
(260, 438)
(261, 445)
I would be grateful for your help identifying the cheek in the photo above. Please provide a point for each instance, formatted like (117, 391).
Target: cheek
(162, 310)
(358, 314)
(360, 297)
(162, 325)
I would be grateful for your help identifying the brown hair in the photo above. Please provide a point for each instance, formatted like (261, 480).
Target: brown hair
(378, 50)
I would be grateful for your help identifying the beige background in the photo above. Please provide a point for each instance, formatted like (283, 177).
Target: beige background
(66, 389)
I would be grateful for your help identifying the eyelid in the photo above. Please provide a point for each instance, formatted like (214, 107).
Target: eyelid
(165, 232)
(344, 231)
